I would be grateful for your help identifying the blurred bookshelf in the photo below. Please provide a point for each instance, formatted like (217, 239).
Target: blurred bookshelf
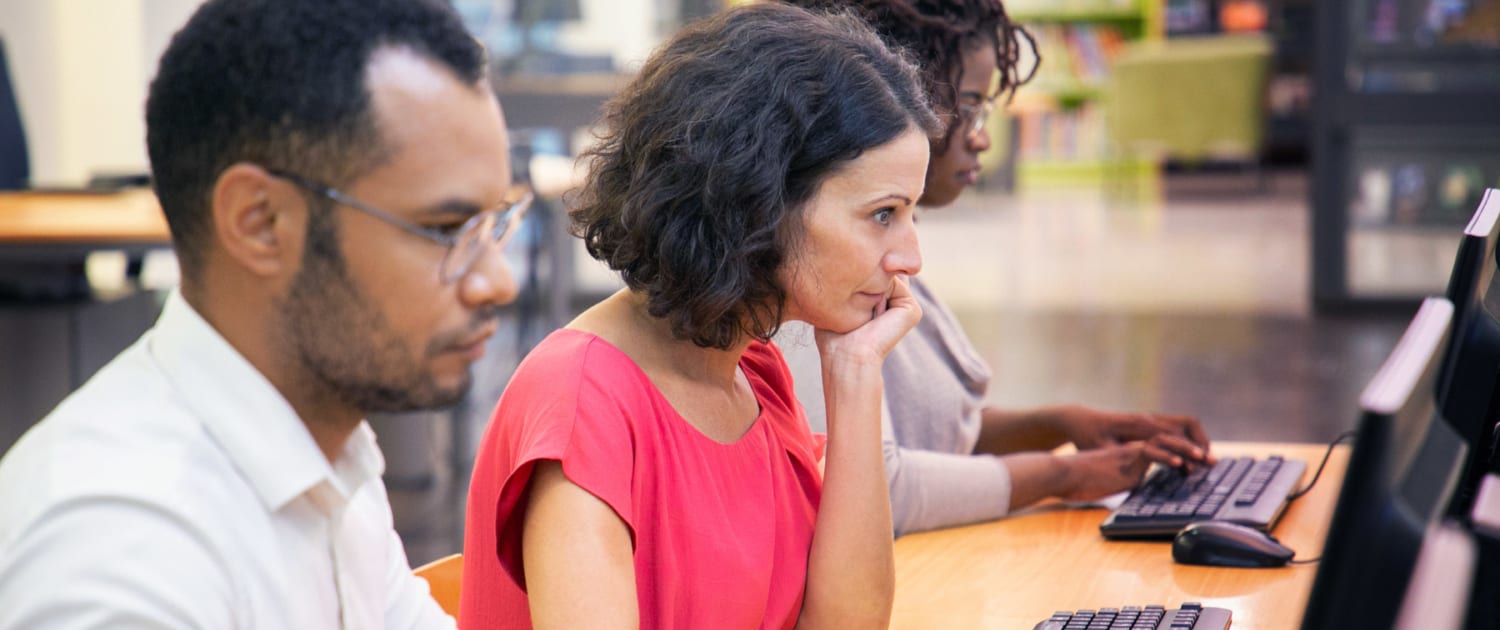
(1057, 118)
(1406, 138)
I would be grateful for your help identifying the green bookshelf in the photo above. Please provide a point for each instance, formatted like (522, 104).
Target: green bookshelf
(1070, 94)
(1058, 115)
(1086, 171)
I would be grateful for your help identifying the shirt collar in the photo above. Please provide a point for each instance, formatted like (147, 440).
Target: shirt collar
(249, 419)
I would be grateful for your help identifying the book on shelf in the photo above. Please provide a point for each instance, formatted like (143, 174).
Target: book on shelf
(1075, 55)
(1059, 119)
(1416, 191)
(1070, 135)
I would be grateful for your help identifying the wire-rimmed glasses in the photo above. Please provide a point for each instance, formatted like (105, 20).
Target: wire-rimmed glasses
(972, 117)
(465, 245)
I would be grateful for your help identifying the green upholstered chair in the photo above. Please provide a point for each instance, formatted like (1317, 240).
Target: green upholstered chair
(1189, 99)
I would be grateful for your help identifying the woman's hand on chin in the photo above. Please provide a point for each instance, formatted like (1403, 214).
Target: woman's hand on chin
(872, 341)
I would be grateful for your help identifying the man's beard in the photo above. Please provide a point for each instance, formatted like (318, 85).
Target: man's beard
(343, 341)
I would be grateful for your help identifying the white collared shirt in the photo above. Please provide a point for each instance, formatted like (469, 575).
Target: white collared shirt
(178, 489)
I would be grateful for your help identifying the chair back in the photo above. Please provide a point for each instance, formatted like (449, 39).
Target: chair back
(444, 577)
(1190, 99)
(15, 162)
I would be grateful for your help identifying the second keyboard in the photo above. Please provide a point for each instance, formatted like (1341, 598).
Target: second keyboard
(1245, 490)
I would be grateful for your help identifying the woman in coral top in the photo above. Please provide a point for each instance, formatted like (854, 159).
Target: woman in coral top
(952, 458)
(649, 465)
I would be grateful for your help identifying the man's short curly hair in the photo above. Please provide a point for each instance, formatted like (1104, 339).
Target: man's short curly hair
(280, 83)
(695, 191)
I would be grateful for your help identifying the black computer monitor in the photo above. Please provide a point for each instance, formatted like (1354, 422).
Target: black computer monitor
(1442, 581)
(1404, 464)
(1484, 606)
(1470, 380)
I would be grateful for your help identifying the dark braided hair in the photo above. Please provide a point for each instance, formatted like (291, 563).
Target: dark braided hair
(938, 33)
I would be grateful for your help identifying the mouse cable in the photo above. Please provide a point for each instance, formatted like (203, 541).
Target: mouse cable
(1298, 494)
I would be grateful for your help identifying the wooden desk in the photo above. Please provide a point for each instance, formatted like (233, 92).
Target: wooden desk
(55, 331)
(1016, 572)
(82, 218)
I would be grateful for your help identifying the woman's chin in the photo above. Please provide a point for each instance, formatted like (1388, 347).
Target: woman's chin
(845, 323)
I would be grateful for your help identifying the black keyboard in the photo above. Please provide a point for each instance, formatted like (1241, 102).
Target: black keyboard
(1191, 616)
(1245, 490)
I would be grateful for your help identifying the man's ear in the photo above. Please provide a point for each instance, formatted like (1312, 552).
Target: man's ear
(258, 219)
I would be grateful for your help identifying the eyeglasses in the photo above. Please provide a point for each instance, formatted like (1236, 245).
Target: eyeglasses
(972, 117)
(465, 245)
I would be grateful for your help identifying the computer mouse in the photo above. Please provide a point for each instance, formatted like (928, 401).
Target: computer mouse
(1226, 544)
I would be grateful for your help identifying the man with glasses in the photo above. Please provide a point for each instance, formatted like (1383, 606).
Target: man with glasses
(336, 178)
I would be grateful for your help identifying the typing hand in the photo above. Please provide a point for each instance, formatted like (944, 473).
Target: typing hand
(1181, 436)
(1100, 472)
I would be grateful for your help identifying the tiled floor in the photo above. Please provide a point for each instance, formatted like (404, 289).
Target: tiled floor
(1081, 249)
(1195, 302)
